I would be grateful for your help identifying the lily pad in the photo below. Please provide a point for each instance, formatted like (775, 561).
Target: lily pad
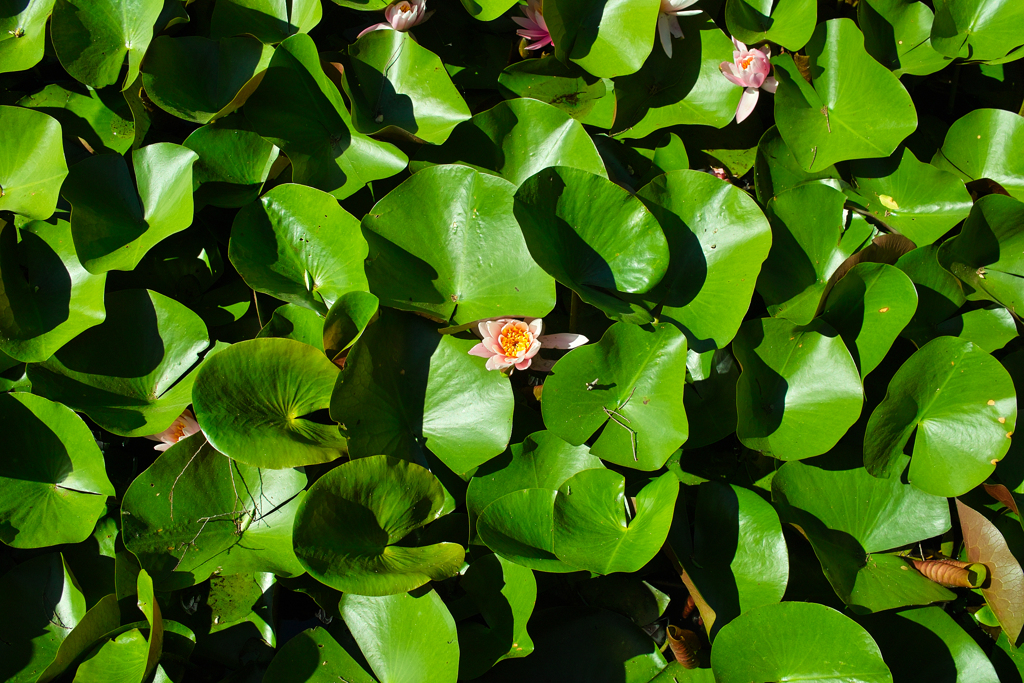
(92, 37)
(401, 636)
(348, 528)
(347, 320)
(53, 486)
(392, 81)
(629, 386)
(32, 165)
(789, 23)
(809, 642)
(46, 297)
(978, 29)
(837, 117)
(607, 39)
(113, 224)
(299, 109)
(130, 374)
(407, 389)
(520, 527)
(255, 402)
(23, 35)
(898, 34)
(299, 245)
(194, 512)
(515, 140)
(924, 202)
(234, 162)
(591, 530)
(198, 79)
(716, 245)
(445, 242)
(962, 404)
(800, 390)
(593, 237)
(567, 87)
(314, 656)
(297, 323)
(978, 145)
(271, 21)
(94, 122)
(777, 170)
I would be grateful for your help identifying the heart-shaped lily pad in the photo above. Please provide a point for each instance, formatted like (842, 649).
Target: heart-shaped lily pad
(348, 527)
(606, 38)
(32, 165)
(256, 399)
(786, 22)
(23, 35)
(980, 145)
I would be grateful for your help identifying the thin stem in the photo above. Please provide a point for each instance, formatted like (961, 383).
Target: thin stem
(574, 312)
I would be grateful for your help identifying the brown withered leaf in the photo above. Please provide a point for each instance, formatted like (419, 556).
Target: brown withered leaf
(1005, 594)
(1003, 495)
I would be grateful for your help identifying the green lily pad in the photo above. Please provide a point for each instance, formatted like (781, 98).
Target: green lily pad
(32, 165)
(980, 145)
(481, 10)
(52, 484)
(809, 243)
(23, 35)
(940, 294)
(113, 224)
(92, 121)
(392, 81)
(148, 605)
(92, 37)
(101, 619)
(962, 404)
(516, 139)
(271, 21)
(520, 527)
(43, 604)
(689, 88)
(234, 162)
(297, 323)
(979, 29)
(593, 237)
(567, 87)
(194, 512)
(591, 529)
(347, 320)
(838, 117)
(800, 390)
(777, 170)
(505, 594)
(130, 374)
(541, 461)
(808, 642)
(987, 254)
(300, 110)
(789, 23)
(717, 246)
(917, 199)
(121, 658)
(198, 79)
(407, 389)
(990, 327)
(297, 244)
(606, 38)
(46, 297)
(629, 385)
(348, 528)
(739, 557)
(255, 400)
(247, 598)
(445, 242)
(710, 399)
(315, 657)
(898, 34)
(869, 307)
(402, 636)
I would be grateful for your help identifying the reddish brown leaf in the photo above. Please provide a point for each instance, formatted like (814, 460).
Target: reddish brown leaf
(1005, 594)
(1003, 495)
(953, 573)
(684, 645)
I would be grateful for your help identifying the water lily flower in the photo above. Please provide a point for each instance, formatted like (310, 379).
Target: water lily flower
(668, 25)
(533, 26)
(401, 16)
(184, 425)
(508, 342)
(749, 70)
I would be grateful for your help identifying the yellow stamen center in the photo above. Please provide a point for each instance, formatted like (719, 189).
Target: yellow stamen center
(404, 7)
(514, 340)
(745, 62)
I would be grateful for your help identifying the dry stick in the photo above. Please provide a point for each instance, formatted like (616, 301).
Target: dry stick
(170, 496)
(205, 521)
(613, 415)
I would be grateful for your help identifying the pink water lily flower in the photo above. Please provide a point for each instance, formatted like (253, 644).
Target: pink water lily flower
(509, 342)
(401, 16)
(668, 24)
(184, 425)
(749, 70)
(533, 26)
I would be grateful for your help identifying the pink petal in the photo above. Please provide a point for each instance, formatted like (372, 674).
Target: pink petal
(673, 27)
(524, 22)
(739, 46)
(767, 50)
(494, 328)
(375, 27)
(756, 79)
(770, 84)
(536, 326)
(563, 340)
(162, 447)
(727, 69)
(481, 350)
(532, 351)
(524, 364)
(746, 105)
(493, 346)
(495, 363)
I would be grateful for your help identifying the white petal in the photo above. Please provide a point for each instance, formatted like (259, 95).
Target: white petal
(770, 84)
(563, 340)
(665, 34)
(747, 102)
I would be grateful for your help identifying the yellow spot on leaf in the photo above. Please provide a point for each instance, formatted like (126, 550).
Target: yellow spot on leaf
(888, 202)
(883, 310)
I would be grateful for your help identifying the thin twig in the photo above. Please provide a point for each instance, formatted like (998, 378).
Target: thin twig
(170, 496)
